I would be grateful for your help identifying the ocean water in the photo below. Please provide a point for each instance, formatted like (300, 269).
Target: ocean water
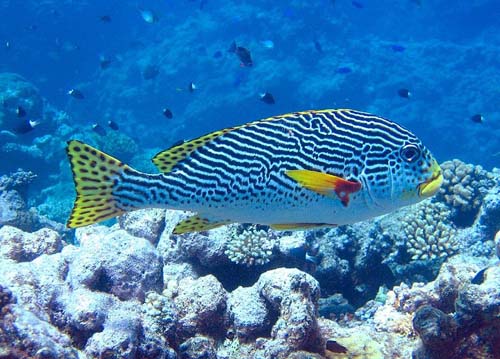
(431, 66)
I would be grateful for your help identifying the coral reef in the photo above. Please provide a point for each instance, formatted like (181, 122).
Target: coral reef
(250, 246)
(130, 291)
(430, 234)
(464, 188)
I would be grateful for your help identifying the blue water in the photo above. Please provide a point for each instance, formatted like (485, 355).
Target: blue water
(446, 53)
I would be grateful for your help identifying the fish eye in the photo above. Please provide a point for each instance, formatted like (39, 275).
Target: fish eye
(410, 153)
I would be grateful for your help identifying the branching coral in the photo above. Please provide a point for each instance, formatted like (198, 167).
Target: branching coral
(464, 185)
(250, 246)
(430, 234)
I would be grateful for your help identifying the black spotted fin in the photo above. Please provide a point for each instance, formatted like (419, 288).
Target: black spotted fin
(197, 223)
(325, 184)
(299, 226)
(94, 173)
(167, 159)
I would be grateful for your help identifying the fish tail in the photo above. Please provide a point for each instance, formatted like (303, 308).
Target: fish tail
(95, 174)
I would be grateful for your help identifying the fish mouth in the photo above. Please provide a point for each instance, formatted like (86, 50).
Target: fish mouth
(431, 185)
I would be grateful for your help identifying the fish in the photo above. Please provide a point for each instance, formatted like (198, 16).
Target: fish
(357, 4)
(318, 46)
(24, 127)
(477, 118)
(113, 125)
(479, 277)
(150, 72)
(217, 54)
(104, 62)
(404, 93)
(398, 48)
(167, 113)
(191, 87)
(76, 94)
(98, 129)
(148, 15)
(297, 171)
(344, 70)
(243, 54)
(20, 112)
(268, 98)
(105, 18)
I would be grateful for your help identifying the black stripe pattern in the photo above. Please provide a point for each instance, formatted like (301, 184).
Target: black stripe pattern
(240, 174)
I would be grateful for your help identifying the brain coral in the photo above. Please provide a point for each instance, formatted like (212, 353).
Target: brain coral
(464, 185)
(250, 245)
(429, 232)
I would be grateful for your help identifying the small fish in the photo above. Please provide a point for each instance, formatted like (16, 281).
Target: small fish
(243, 54)
(105, 18)
(20, 112)
(318, 46)
(192, 87)
(259, 173)
(217, 54)
(344, 70)
(167, 113)
(25, 126)
(268, 44)
(405, 93)
(149, 16)
(268, 98)
(150, 72)
(104, 62)
(398, 48)
(357, 4)
(334, 347)
(479, 277)
(113, 125)
(98, 129)
(7, 45)
(477, 118)
(76, 94)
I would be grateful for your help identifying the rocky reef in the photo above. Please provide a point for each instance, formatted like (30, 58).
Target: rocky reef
(134, 290)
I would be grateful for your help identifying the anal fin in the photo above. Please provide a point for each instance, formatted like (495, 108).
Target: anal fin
(197, 223)
(299, 226)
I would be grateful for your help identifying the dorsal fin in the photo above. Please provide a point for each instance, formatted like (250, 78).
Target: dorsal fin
(167, 159)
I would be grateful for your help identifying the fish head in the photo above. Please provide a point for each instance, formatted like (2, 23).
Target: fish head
(400, 175)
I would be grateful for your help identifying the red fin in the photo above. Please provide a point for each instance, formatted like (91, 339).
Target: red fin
(325, 184)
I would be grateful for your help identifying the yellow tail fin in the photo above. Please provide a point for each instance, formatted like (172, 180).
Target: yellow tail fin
(94, 173)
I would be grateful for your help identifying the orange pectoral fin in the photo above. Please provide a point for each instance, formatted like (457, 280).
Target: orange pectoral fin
(325, 184)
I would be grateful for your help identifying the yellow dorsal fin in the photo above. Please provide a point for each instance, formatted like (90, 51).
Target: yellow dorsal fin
(325, 184)
(166, 160)
(299, 226)
(197, 223)
(94, 173)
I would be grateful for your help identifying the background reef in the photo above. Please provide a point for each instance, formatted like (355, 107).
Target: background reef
(423, 281)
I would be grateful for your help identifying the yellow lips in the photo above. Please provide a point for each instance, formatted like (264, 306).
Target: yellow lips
(429, 187)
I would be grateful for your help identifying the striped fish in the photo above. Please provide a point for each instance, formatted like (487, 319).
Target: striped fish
(295, 171)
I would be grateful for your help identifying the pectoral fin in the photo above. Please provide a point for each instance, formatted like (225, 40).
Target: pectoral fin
(197, 223)
(325, 184)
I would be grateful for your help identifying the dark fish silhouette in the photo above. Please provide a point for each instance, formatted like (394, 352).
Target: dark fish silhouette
(20, 112)
(404, 93)
(150, 72)
(477, 118)
(76, 94)
(398, 48)
(24, 127)
(268, 98)
(318, 46)
(344, 70)
(243, 54)
(167, 113)
(104, 62)
(113, 125)
(98, 129)
(105, 18)
(358, 4)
